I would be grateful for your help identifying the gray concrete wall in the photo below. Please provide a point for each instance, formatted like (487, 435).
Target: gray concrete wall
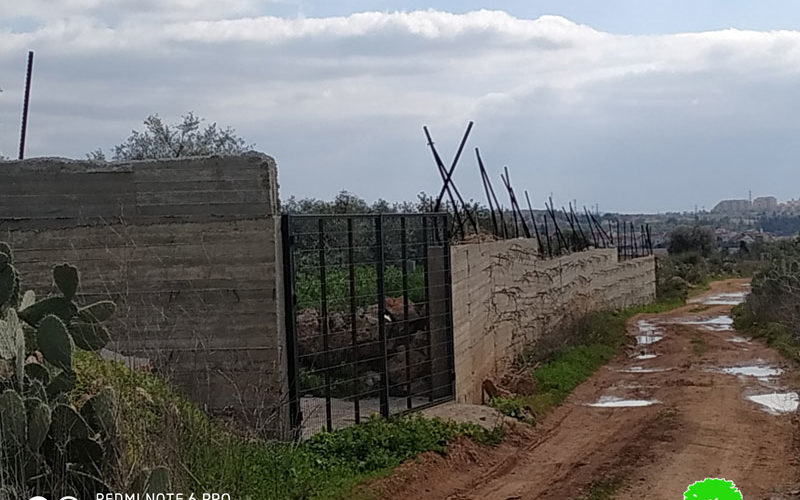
(188, 248)
(505, 297)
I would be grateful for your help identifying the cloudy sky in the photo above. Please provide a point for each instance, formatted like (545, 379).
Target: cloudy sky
(637, 106)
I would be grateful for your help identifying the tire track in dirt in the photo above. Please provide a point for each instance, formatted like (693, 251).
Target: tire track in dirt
(702, 425)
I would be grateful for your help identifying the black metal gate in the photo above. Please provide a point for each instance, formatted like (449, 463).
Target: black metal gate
(368, 316)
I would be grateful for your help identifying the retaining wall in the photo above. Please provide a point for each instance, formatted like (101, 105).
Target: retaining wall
(189, 249)
(505, 297)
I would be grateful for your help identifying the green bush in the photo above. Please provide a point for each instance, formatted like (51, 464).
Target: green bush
(337, 280)
(694, 239)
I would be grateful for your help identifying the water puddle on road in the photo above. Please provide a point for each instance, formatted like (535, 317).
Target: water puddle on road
(777, 403)
(646, 356)
(616, 402)
(642, 369)
(725, 299)
(648, 333)
(718, 323)
(738, 340)
(758, 370)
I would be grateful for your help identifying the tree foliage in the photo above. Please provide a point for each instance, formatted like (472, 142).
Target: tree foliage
(348, 203)
(691, 239)
(186, 138)
(775, 296)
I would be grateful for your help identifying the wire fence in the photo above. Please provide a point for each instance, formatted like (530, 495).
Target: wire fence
(557, 230)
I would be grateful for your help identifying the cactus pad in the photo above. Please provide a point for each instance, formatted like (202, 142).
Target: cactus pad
(38, 422)
(97, 312)
(13, 420)
(54, 342)
(58, 306)
(89, 336)
(66, 278)
(100, 412)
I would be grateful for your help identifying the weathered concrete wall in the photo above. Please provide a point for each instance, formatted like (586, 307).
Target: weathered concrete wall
(505, 297)
(188, 248)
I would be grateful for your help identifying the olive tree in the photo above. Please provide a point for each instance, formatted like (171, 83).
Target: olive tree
(186, 138)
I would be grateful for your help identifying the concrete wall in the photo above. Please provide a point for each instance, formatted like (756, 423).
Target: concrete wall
(505, 297)
(188, 248)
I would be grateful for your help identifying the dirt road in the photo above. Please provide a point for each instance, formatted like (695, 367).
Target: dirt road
(672, 411)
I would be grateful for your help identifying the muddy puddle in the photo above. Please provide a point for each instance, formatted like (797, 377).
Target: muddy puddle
(757, 369)
(617, 402)
(646, 356)
(647, 333)
(738, 340)
(724, 299)
(642, 369)
(717, 323)
(776, 403)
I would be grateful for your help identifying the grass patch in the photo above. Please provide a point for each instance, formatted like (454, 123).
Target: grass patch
(700, 308)
(160, 427)
(699, 344)
(605, 489)
(602, 335)
(774, 334)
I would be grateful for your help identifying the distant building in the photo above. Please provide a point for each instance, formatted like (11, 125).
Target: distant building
(765, 204)
(732, 207)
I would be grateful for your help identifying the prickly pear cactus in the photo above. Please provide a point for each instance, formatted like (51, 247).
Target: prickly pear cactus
(37, 422)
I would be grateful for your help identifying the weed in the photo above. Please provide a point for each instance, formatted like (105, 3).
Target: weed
(515, 406)
(602, 336)
(161, 426)
(699, 344)
(605, 489)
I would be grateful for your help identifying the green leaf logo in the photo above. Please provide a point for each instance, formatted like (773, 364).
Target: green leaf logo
(713, 489)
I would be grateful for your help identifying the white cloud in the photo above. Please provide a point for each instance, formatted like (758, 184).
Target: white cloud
(576, 111)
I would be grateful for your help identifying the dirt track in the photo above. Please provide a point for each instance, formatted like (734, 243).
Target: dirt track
(701, 426)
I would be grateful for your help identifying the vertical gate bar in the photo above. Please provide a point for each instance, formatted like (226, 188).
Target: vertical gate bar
(290, 318)
(547, 237)
(426, 276)
(323, 295)
(406, 329)
(353, 327)
(611, 233)
(535, 226)
(634, 249)
(591, 229)
(619, 243)
(624, 241)
(25, 106)
(449, 311)
(486, 190)
(643, 240)
(384, 396)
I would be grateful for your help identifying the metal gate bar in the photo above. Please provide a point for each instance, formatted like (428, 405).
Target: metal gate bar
(368, 316)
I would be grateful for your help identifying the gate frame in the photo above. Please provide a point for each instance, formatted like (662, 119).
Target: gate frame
(290, 307)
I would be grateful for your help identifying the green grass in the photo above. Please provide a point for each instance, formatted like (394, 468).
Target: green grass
(774, 334)
(337, 279)
(699, 344)
(160, 427)
(605, 489)
(601, 337)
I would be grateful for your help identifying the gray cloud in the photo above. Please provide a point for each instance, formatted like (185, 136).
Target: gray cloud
(631, 122)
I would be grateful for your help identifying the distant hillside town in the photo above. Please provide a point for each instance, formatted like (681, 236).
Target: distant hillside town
(760, 205)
